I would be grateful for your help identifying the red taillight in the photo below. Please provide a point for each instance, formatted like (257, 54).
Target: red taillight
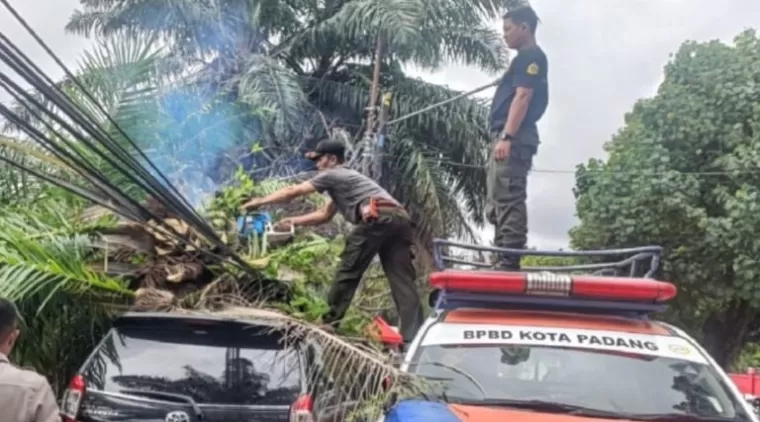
(616, 288)
(387, 383)
(72, 398)
(301, 410)
(78, 383)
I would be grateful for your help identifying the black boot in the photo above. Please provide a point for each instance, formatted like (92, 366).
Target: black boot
(507, 264)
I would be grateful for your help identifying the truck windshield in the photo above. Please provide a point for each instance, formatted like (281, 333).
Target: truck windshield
(615, 383)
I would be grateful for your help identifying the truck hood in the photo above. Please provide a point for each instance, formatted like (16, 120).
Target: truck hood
(491, 414)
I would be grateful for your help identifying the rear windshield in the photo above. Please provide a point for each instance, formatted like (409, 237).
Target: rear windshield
(214, 364)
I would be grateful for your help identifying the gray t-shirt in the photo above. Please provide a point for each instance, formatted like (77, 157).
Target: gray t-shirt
(348, 189)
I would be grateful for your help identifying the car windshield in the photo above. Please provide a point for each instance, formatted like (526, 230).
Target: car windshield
(605, 381)
(214, 364)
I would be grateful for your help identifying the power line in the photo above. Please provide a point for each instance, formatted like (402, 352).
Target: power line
(442, 103)
(588, 173)
(541, 171)
(607, 172)
(629, 173)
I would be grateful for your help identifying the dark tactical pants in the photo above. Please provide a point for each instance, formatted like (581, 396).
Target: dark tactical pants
(507, 193)
(391, 236)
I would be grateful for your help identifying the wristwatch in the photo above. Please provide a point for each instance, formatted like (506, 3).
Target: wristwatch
(504, 136)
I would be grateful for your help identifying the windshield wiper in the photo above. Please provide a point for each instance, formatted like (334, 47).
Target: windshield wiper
(458, 371)
(550, 407)
(171, 396)
(683, 417)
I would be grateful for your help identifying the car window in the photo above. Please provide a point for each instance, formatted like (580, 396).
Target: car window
(213, 365)
(609, 381)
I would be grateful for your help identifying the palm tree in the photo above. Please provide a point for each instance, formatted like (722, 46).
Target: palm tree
(309, 65)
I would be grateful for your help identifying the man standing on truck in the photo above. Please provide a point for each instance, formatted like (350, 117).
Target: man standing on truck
(520, 101)
(382, 226)
(25, 396)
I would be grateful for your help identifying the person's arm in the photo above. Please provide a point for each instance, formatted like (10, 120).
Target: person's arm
(281, 196)
(46, 408)
(527, 73)
(319, 183)
(320, 216)
(288, 194)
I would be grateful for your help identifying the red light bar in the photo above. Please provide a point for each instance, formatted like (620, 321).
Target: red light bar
(550, 284)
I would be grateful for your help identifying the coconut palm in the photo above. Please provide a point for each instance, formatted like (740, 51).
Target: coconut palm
(309, 64)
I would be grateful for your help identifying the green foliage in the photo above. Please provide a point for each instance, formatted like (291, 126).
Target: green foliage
(550, 261)
(308, 263)
(683, 173)
(59, 332)
(748, 358)
(47, 252)
(45, 268)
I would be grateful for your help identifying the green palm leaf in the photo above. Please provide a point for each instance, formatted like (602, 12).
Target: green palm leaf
(39, 256)
(435, 204)
(274, 92)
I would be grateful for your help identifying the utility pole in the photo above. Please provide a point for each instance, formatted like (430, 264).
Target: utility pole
(369, 134)
(379, 145)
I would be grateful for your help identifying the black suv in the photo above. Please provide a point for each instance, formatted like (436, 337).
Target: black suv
(164, 367)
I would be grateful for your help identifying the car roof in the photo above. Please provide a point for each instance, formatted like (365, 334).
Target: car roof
(195, 316)
(556, 320)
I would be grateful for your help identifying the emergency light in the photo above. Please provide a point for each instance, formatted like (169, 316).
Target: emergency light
(551, 284)
(623, 296)
(593, 285)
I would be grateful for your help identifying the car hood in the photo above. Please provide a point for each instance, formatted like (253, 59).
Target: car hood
(494, 414)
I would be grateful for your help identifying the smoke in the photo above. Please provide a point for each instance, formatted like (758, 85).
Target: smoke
(193, 129)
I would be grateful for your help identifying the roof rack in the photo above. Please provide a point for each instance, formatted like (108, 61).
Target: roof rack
(617, 260)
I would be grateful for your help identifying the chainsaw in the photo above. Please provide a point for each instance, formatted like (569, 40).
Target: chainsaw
(257, 230)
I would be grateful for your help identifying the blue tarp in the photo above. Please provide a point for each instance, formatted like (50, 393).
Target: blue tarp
(421, 411)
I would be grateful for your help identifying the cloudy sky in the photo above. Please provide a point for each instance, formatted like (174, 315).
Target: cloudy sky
(603, 55)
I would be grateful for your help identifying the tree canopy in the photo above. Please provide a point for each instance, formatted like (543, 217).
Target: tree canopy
(684, 173)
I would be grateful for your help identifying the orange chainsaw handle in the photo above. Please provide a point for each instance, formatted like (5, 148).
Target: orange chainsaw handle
(369, 211)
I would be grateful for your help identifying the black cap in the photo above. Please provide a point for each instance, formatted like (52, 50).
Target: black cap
(328, 146)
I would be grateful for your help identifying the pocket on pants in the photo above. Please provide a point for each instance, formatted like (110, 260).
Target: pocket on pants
(510, 176)
(351, 256)
(521, 161)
